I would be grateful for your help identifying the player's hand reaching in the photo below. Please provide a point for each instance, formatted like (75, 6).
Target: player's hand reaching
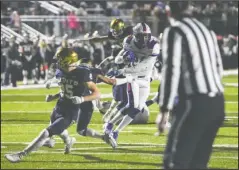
(49, 98)
(77, 99)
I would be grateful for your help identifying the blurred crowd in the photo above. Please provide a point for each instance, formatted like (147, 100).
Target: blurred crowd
(32, 58)
(16, 65)
(221, 17)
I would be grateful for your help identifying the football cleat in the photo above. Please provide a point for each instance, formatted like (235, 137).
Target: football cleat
(50, 143)
(112, 139)
(115, 135)
(15, 157)
(108, 127)
(69, 145)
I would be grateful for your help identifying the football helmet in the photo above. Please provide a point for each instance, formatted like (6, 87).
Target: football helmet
(66, 57)
(142, 34)
(117, 27)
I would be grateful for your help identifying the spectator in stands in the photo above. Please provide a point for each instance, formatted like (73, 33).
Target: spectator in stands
(12, 63)
(159, 11)
(82, 12)
(82, 9)
(73, 24)
(4, 48)
(50, 52)
(16, 21)
(115, 11)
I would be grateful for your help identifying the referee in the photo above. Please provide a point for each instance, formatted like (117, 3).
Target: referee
(192, 70)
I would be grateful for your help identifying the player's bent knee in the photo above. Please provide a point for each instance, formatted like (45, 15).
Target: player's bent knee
(46, 133)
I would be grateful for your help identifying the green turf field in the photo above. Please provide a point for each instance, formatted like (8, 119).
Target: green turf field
(24, 114)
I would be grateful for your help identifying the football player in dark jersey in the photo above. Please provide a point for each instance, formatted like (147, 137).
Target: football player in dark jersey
(74, 103)
(118, 31)
(28, 61)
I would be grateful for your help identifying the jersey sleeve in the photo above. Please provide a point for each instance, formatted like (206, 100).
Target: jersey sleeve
(87, 75)
(156, 50)
(126, 42)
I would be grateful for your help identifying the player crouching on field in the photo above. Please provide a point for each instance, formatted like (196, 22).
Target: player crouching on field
(75, 100)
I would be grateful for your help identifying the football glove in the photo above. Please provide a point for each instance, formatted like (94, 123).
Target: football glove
(77, 99)
(130, 57)
(113, 73)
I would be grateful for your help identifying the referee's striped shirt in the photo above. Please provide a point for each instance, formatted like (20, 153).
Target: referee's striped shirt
(191, 62)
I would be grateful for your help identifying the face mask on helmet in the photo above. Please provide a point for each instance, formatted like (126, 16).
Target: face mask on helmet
(142, 39)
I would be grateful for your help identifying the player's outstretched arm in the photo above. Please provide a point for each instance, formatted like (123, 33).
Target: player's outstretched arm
(94, 39)
(95, 92)
(106, 79)
(93, 96)
(50, 97)
(116, 81)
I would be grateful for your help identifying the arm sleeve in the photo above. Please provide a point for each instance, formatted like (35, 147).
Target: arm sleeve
(218, 55)
(156, 50)
(171, 51)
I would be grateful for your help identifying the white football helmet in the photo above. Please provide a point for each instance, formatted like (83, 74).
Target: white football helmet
(142, 34)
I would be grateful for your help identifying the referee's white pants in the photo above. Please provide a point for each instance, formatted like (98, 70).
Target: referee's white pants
(138, 92)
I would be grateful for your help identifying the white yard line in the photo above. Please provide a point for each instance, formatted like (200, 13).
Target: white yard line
(116, 153)
(138, 143)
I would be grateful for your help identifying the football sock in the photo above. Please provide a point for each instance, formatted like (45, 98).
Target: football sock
(116, 118)
(65, 136)
(94, 134)
(37, 142)
(126, 121)
(111, 114)
(107, 115)
(99, 104)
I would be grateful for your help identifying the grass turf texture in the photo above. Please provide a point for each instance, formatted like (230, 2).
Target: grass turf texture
(24, 114)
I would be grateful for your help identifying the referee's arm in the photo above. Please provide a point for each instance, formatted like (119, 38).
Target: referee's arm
(218, 54)
(171, 53)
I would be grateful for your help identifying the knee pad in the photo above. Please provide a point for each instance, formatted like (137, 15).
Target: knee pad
(24, 73)
(133, 112)
(82, 132)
